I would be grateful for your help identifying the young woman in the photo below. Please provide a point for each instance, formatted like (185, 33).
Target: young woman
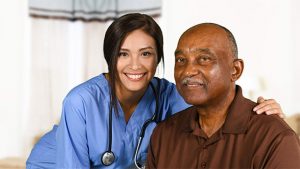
(107, 121)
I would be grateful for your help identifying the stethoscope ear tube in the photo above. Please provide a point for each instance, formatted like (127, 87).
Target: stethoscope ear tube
(136, 153)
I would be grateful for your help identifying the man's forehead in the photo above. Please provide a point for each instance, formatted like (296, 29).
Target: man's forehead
(193, 50)
(205, 27)
(202, 37)
(197, 42)
(204, 32)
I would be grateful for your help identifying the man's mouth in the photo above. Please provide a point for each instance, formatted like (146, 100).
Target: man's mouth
(193, 84)
(189, 82)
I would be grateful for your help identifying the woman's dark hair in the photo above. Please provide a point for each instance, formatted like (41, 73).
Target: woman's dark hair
(114, 37)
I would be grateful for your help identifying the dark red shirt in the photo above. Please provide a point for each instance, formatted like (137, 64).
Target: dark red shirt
(245, 140)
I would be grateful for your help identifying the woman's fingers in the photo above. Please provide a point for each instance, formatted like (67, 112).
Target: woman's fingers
(268, 107)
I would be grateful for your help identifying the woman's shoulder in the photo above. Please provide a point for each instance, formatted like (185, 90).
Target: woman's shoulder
(170, 98)
(163, 83)
(93, 87)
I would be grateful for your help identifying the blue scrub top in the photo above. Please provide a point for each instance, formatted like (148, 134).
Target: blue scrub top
(82, 134)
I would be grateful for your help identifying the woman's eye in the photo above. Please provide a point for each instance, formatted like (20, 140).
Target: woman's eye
(122, 54)
(146, 53)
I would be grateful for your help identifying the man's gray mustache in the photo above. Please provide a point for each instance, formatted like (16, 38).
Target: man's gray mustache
(189, 80)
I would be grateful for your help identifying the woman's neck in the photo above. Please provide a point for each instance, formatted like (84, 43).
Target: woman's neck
(129, 100)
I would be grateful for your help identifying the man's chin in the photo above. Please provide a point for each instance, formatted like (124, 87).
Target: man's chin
(195, 101)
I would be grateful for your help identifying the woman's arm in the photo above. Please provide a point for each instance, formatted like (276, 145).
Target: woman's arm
(72, 148)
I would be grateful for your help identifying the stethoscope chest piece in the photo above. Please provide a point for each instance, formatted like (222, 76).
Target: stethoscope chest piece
(108, 158)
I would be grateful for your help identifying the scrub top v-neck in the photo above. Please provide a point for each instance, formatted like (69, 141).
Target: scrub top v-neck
(82, 134)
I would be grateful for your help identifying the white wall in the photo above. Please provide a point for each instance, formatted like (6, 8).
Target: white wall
(267, 33)
(295, 71)
(12, 54)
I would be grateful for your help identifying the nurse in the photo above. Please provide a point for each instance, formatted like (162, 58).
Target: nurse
(103, 117)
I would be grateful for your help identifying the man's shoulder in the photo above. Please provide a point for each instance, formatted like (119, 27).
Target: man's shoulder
(268, 124)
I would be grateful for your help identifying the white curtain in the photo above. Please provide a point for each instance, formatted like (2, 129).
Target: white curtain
(63, 54)
(91, 9)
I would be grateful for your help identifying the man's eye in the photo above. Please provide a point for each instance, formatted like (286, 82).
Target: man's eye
(205, 59)
(179, 60)
(123, 54)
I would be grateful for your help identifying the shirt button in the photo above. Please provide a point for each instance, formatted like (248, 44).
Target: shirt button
(203, 164)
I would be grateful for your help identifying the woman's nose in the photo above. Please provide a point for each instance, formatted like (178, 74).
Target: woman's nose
(135, 63)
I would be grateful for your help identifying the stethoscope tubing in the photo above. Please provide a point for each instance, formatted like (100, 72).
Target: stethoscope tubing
(108, 156)
(147, 122)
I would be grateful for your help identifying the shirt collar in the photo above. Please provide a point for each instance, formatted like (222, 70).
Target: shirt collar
(237, 120)
(190, 121)
(239, 114)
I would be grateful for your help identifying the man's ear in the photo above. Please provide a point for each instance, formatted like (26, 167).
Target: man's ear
(237, 69)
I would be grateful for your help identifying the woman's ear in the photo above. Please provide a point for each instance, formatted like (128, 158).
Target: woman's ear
(237, 69)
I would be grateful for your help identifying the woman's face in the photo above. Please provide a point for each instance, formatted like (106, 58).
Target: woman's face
(137, 62)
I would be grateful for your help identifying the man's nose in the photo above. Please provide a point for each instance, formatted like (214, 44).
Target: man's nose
(191, 69)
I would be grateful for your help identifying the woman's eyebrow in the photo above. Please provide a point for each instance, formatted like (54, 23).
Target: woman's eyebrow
(145, 48)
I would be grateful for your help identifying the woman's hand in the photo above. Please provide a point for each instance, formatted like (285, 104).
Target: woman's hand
(268, 106)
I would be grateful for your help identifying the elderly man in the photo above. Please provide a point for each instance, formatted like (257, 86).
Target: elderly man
(220, 130)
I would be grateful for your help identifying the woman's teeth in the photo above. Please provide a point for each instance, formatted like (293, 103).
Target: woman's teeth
(134, 76)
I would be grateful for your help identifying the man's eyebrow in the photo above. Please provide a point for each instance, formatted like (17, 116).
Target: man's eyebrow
(204, 50)
(177, 52)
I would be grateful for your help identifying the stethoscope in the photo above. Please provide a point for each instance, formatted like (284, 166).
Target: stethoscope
(108, 156)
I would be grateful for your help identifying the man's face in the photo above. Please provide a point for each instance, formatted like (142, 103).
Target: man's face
(203, 65)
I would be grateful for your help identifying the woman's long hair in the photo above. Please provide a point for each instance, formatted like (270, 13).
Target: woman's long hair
(114, 37)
